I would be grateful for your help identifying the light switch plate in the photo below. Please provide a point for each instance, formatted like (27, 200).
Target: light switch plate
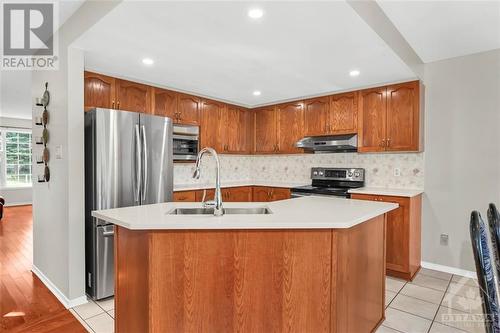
(59, 152)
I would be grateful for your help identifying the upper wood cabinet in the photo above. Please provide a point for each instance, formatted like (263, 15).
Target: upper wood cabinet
(389, 118)
(236, 130)
(266, 130)
(290, 126)
(211, 112)
(132, 96)
(316, 116)
(99, 91)
(164, 103)
(188, 109)
(403, 117)
(343, 115)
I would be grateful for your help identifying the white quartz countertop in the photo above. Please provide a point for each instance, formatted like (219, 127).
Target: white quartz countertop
(297, 213)
(387, 191)
(202, 186)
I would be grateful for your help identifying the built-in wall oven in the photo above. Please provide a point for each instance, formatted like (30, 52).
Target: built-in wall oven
(186, 142)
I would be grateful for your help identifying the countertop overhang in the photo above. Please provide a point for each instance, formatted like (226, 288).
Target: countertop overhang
(297, 213)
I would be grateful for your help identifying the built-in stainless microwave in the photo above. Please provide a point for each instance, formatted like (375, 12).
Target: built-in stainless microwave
(186, 142)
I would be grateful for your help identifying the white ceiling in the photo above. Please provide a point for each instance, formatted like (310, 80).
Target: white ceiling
(445, 29)
(213, 49)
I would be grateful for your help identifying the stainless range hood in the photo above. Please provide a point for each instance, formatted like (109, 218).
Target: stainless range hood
(329, 144)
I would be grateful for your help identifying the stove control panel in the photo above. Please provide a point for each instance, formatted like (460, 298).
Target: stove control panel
(347, 174)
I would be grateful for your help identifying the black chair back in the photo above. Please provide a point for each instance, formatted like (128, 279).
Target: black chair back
(485, 272)
(494, 224)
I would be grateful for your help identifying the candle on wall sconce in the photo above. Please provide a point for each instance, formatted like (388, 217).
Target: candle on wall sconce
(39, 159)
(41, 178)
(38, 121)
(39, 140)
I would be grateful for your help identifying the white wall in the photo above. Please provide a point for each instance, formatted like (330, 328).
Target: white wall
(462, 157)
(58, 206)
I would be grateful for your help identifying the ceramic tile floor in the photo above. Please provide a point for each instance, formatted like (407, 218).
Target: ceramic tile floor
(434, 302)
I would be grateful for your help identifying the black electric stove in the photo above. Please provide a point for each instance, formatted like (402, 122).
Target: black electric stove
(331, 182)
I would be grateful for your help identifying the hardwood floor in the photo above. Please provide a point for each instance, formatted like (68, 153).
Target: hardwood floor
(26, 305)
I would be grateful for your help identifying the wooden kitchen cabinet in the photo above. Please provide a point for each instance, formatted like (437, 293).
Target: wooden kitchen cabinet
(266, 194)
(403, 234)
(164, 103)
(211, 112)
(389, 118)
(266, 130)
(132, 96)
(235, 130)
(316, 116)
(290, 127)
(237, 194)
(343, 115)
(99, 91)
(188, 109)
(186, 196)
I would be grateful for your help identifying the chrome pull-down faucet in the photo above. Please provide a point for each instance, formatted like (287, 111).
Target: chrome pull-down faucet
(216, 204)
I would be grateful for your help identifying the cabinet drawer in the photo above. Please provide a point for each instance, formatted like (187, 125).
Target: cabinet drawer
(187, 196)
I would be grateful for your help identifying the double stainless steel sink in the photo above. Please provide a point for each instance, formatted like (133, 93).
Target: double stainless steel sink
(229, 211)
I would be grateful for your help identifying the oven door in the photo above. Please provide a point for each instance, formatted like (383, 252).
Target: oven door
(185, 147)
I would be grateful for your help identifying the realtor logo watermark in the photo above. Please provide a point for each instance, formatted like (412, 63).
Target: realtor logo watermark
(29, 41)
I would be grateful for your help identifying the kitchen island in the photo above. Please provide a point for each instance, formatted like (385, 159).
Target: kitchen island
(313, 264)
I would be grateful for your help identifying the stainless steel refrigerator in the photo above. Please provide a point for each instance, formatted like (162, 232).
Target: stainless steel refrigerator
(128, 162)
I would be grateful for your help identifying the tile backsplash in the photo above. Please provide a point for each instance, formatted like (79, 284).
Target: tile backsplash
(296, 168)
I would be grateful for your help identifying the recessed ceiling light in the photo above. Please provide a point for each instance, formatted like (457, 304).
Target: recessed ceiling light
(255, 13)
(256, 93)
(148, 61)
(354, 72)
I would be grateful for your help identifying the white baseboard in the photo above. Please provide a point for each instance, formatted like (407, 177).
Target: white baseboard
(68, 303)
(448, 269)
(13, 204)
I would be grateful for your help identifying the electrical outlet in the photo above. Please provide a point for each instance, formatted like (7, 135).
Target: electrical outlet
(443, 239)
(397, 172)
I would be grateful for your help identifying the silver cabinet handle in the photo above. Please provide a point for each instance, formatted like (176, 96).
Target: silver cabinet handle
(108, 234)
(145, 147)
(138, 166)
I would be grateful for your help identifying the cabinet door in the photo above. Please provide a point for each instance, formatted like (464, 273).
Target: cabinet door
(188, 108)
(132, 96)
(372, 120)
(165, 103)
(265, 130)
(316, 116)
(403, 126)
(397, 235)
(210, 124)
(239, 194)
(290, 126)
(99, 91)
(186, 196)
(278, 193)
(234, 129)
(343, 116)
(261, 194)
(209, 195)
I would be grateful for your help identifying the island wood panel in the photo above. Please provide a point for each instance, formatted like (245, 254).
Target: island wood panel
(290, 126)
(343, 115)
(316, 115)
(372, 120)
(403, 106)
(266, 136)
(132, 288)
(251, 280)
(99, 91)
(359, 260)
(133, 96)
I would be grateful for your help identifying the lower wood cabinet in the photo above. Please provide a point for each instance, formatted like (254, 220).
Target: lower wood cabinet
(265, 194)
(403, 235)
(236, 194)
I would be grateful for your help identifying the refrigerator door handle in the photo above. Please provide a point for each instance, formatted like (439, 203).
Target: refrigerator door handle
(138, 164)
(145, 151)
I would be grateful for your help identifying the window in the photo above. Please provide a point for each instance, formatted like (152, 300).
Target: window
(15, 157)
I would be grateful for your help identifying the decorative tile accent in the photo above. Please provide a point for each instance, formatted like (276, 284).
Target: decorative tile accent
(296, 168)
